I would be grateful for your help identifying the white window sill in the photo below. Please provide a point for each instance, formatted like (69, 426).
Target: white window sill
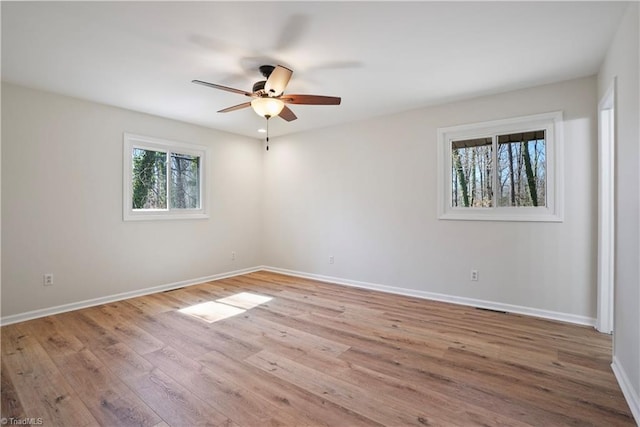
(506, 214)
(147, 216)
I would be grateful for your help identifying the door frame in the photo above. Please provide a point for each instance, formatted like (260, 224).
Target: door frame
(606, 210)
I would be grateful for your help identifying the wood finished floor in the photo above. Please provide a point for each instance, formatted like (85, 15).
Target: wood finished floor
(316, 354)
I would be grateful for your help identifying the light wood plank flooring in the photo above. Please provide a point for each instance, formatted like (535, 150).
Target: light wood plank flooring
(315, 354)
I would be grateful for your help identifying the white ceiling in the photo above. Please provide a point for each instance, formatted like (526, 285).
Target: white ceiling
(380, 57)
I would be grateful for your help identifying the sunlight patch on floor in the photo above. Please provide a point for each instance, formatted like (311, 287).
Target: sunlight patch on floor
(245, 300)
(211, 311)
(223, 308)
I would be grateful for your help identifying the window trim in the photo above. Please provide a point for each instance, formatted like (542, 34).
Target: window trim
(131, 141)
(554, 211)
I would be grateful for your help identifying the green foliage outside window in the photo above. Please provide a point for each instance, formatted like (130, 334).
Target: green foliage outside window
(149, 180)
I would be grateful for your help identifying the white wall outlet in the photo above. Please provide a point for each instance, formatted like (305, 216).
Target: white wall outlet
(47, 279)
(474, 275)
(331, 259)
(233, 256)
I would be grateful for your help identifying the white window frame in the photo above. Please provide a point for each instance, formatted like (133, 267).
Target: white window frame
(552, 212)
(132, 141)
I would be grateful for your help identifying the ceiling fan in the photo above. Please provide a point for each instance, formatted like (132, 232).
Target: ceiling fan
(268, 95)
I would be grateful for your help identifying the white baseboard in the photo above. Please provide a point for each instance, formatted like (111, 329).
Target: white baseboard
(629, 393)
(546, 314)
(529, 311)
(21, 317)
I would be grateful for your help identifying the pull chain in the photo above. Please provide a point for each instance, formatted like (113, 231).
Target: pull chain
(267, 132)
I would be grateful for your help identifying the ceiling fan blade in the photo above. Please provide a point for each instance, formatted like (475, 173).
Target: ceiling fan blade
(287, 114)
(311, 99)
(277, 81)
(236, 107)
(228, 89)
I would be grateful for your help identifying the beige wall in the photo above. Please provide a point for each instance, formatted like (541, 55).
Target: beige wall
(365, 193)
(622, 63)
(62, 204)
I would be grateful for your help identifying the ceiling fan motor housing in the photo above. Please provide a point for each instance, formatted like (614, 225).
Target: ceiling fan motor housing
(266, 70)
(259, 86)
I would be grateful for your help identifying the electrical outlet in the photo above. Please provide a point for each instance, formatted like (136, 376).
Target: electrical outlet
(233, 256)
(331, 259)
(47, 279)
(474, 275)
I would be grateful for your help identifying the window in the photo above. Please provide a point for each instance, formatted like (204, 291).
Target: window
(163, 179)
(502, 170)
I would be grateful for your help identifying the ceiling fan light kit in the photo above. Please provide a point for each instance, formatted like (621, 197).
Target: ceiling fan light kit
(267, 106)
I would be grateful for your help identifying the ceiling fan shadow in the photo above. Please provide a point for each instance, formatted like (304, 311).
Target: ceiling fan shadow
(292, 31)
(338, 65)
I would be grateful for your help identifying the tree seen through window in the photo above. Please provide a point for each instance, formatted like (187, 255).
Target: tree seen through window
(518, 180)
(152, 190)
